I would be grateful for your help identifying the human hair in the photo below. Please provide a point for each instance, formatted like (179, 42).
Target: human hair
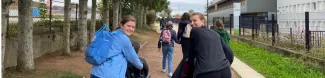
(169, 25)
(219, 24)
(200, 15)
(185, 16)
(127, 18)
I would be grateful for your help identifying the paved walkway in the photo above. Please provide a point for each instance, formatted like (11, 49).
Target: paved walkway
(239, 67)
(244, 70)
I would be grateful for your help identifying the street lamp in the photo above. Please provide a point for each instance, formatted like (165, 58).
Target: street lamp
(208, 13)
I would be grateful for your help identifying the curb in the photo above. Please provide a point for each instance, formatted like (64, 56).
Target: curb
(244, 71)
(143, 45)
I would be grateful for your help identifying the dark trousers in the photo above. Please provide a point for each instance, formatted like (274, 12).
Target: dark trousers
(224, 73)
(93, 76)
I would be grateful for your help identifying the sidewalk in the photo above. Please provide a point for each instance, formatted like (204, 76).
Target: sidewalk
(244, 70)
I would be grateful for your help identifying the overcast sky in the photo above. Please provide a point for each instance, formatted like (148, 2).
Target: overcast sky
(177, 6)
(181, 6)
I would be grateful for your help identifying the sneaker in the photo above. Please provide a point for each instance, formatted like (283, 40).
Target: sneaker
(170, 74)
(164, 70)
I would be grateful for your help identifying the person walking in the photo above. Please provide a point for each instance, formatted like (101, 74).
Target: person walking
(167, 39)
(222, 32)
(185, 43)
(210, 56)
(120, 53)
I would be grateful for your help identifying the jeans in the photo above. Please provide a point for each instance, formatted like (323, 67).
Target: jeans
(93, 76)
(168, 52)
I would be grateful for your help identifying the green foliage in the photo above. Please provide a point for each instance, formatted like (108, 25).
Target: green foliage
(43, 10)
(273, 65)
(191, 11)
(151, 17)
(12, 30)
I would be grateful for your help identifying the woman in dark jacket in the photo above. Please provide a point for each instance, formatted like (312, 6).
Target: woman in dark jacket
(210, 55)
(185, 43)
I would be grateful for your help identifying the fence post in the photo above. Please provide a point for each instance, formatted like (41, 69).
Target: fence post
(307, 32)
(239, 26)
(253, 27)
(273, 30)
(76, 18)
(50, 17)
(231, 22)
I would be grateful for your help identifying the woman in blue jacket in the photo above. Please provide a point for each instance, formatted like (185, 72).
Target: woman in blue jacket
(122, 48)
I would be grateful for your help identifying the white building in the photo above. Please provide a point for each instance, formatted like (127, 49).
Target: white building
(291, 14)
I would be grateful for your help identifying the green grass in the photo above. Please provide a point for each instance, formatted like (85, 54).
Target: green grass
(12, 73)
(273, 65)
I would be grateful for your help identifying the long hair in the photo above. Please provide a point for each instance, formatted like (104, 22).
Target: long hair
(219, 24)
(185, 16)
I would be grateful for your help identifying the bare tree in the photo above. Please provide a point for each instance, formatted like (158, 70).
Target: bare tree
(4, 19)
(106, 12)
(66, 28)
(93, 19)
(116, 4)
(25, 60)
(82, 33)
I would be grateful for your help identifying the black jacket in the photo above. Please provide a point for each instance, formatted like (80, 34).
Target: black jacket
(185, 42)
(209, 50)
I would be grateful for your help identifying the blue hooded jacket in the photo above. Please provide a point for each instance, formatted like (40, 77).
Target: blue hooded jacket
(121, 52)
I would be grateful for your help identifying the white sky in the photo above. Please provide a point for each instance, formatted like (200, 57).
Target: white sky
(177, 6)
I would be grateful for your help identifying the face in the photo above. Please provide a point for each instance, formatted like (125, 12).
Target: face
(196, 21)
(128, 28)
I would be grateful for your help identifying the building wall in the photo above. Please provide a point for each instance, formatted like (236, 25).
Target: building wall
(42, 44)
(291, 14)
(261, 5)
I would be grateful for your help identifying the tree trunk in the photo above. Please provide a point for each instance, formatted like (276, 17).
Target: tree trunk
(66, 28)
(93, 20)
(106, 12)
(4, 19)
(82, 33)
(141, 15)
(138, 15)
(120, 12)
(145, 16)
(25, 60)
(116, 4)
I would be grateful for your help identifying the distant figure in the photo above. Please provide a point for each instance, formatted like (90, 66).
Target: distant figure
(222, 32)
(162, 23)
(167, 39)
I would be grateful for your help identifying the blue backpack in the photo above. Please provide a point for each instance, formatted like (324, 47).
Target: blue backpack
(97, 50)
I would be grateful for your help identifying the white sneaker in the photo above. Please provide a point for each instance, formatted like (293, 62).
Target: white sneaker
(164, 70)
(170, 74)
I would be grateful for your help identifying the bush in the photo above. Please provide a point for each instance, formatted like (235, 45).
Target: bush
(151, 17)
(12, 30)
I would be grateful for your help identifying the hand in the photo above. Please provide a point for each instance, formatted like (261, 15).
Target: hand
(158, 49)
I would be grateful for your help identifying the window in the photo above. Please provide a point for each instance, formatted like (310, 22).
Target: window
(298, 8)
(319, 5)
(302, 8)
(323, 5)
(314, 5)
(294, 8)
(308, 7)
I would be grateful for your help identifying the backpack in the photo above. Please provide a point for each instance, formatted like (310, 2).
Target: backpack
(166, 36)
(97, 51)
(187, 31)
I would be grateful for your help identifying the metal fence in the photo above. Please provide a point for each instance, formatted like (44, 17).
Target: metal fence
(306, 34)
(47, 18)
